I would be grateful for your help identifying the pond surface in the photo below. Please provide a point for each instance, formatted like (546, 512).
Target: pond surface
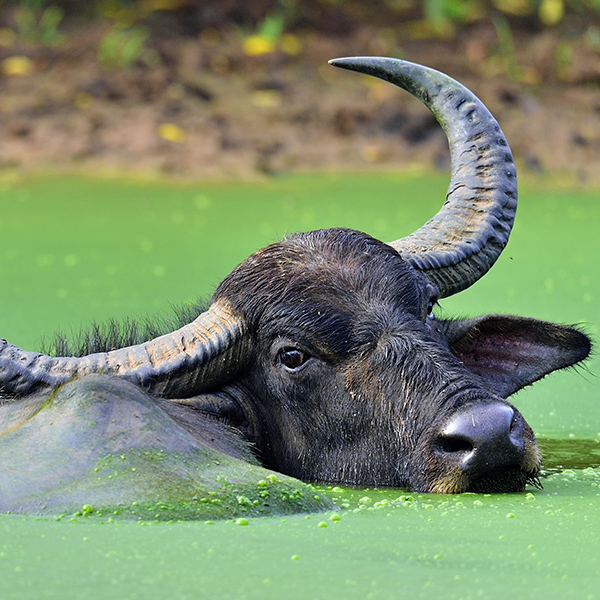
(77, 250)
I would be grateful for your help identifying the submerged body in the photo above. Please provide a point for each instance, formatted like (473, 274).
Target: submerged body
(320, 356)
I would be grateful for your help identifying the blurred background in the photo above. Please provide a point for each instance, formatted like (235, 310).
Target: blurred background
(236, 89)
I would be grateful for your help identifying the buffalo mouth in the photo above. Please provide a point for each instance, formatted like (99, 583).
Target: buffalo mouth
(500, 480)
(505, 480)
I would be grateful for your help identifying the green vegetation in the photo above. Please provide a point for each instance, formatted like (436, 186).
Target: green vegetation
(39, 24)
(262, 27)
(440, 15)
(123, 47)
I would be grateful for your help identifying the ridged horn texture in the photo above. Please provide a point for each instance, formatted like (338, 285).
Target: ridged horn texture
(462, 242)
(190, 360)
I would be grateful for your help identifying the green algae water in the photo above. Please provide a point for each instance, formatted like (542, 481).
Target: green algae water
(78, 250)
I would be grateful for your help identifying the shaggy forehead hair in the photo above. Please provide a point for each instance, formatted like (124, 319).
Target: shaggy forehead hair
(329, 271)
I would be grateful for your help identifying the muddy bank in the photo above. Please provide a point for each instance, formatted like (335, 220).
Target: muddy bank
(205, 108)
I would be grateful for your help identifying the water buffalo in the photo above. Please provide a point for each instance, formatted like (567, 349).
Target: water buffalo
(321, 355)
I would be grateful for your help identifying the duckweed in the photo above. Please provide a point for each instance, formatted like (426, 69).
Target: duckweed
(456, 549)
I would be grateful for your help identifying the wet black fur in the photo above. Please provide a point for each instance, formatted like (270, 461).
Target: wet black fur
(381, 379)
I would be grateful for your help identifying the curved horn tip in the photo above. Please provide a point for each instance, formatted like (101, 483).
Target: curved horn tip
(463, 240)
(356, 62)
(361, 64)
(378, 66)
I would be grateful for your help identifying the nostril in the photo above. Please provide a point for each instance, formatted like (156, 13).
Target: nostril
(480, 438)
(454, 445)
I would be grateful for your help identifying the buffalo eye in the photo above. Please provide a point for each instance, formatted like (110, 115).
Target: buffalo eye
(292, 358)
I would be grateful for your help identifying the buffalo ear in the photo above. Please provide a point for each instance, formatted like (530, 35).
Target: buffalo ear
(511, 352)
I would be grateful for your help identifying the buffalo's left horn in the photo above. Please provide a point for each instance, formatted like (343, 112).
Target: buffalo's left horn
(461, 243)
(180, 364)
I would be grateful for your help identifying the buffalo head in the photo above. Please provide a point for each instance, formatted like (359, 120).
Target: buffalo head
(323, 350)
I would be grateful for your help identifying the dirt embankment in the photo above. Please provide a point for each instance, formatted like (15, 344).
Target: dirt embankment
(206, 108)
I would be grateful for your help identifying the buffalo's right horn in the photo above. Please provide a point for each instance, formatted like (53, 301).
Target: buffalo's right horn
(188, 361)
(461, 243)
